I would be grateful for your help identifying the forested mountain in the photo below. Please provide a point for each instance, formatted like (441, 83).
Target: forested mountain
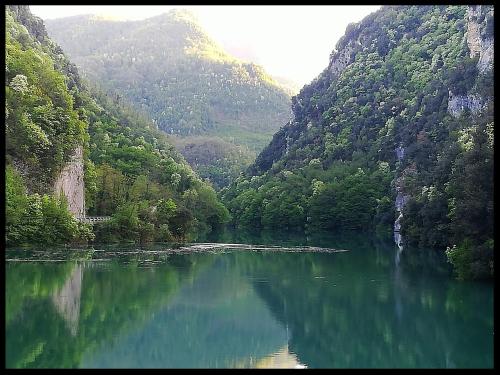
(214, 158)
(170, 69)
(60, 134)
(398, 126)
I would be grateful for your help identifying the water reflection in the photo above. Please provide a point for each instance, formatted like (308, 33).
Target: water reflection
(161, 306)
(215, 320)
(67, 299)
(281, 359)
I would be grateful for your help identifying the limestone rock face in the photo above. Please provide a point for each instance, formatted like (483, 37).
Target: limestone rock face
(33, 24)
(480, 42)
(486, 57)
(458, 103)
(70, 183)
(473, 33)
(400, 152)
(342, 59)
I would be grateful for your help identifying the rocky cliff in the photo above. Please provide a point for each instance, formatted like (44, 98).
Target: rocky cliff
(459, 103)
(479, 35)
(480, 40)
(70, 183)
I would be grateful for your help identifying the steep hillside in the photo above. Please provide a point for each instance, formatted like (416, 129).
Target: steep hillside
(168, 68)
(398, 126)
(213, 158)
(104, 157)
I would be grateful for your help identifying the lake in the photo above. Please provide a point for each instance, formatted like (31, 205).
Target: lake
(251, 300)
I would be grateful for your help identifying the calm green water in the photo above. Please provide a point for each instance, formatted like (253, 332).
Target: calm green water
(245, 306)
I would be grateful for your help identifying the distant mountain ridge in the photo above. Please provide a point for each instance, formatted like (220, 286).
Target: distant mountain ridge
(170, 68)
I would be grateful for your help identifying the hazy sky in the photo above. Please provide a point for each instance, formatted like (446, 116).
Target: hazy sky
(293, 42)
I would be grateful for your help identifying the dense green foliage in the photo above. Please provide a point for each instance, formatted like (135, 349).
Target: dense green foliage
(35, 219)
(42, 128)
(214, 159)
(335, 166)
(136, 169)
(131, 168)
(349, 200)
(169, 68)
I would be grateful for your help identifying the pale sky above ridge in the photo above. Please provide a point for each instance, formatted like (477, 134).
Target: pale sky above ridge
(293, 42)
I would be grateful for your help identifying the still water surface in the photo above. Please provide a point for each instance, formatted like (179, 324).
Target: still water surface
(327, 301)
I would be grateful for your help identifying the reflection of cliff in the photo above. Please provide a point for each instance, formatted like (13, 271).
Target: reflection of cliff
(26, 280)
(111, 300)
(36, 334)
(67, 299)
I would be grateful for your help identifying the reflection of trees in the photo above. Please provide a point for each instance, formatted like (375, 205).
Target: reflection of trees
(344, 240)
(349, 318)
(215, 321)
(28, 280)
(341, 309)
(32, 316)
(41, 339)
(114, 298)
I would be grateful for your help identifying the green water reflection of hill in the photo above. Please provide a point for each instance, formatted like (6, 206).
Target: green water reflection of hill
(371, 306)
(216, 321)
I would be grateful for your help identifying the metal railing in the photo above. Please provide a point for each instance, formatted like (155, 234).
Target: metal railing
(93, 219)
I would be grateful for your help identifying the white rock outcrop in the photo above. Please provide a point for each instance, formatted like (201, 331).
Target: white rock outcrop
(70, 183)
(458, 103)
(341, 59)
(479, 44)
